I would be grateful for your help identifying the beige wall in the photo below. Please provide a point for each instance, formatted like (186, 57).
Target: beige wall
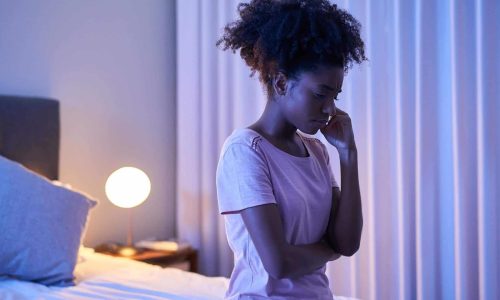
(111, 64)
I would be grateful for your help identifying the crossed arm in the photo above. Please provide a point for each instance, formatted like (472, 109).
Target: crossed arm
(282, 260)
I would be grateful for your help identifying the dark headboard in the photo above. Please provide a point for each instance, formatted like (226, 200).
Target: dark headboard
(30, 132)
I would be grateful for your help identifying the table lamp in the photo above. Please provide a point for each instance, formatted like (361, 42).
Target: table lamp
(128, 187)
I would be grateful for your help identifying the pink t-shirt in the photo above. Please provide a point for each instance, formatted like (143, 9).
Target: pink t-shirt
(251, 172)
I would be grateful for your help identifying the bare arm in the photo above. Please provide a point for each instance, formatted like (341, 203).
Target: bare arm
(346, 219)
(280, 259)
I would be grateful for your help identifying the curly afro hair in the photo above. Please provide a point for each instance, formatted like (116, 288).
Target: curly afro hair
(292, 36)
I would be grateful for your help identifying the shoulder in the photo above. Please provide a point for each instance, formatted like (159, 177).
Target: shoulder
(243, 146)
(243, 138)
(241, 153)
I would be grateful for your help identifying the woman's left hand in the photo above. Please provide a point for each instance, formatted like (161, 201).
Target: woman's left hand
(338, 132)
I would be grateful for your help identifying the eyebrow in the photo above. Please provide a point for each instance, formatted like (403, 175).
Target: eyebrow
(325, 86)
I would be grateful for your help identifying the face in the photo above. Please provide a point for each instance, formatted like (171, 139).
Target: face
(311, 98)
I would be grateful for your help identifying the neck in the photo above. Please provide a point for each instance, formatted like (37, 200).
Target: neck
(273, 124)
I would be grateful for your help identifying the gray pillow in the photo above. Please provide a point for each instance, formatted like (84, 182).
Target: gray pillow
(41, 226)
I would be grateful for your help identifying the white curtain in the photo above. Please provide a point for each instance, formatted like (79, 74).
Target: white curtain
(426, 115)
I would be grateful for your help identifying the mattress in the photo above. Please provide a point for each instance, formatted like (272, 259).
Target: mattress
(100, 276)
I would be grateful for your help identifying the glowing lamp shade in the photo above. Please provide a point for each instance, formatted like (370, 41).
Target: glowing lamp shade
(127, 187)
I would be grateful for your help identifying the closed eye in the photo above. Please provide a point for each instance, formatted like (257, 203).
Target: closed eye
(322, 97)
(319, 96)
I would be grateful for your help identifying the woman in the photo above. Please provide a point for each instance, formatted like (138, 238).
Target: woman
(285, 215)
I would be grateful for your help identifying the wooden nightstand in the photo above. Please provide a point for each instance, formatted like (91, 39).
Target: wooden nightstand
(186, 259)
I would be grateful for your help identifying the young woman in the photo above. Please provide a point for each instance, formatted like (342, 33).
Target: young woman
(285, 215)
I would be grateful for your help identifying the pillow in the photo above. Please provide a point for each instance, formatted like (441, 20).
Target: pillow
(41, 226)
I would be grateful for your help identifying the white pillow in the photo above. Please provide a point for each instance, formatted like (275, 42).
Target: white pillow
(41, 226)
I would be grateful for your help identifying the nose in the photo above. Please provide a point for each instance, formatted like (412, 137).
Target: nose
(330, 108)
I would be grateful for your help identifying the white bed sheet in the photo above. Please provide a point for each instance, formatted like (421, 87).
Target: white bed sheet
(101, 276)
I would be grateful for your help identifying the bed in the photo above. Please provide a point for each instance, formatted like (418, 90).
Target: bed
(29, 135)
(100, 276)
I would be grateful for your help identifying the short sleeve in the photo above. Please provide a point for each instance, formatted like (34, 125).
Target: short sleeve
(327, 158)
(243, 179)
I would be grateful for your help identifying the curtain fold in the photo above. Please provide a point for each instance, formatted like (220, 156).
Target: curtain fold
(425, 111)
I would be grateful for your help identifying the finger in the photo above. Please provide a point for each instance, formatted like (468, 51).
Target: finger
(330, 120)
(340, 118)
(333, 120)
(333, 127)
(339, 123)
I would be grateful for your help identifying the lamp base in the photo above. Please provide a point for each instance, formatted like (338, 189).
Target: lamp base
(118, 249)
(127, 251)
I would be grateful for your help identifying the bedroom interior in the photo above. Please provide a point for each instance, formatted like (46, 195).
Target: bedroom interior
(111, 66)
(88, 87)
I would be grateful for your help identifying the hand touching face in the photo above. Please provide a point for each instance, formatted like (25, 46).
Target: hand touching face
(338, 132)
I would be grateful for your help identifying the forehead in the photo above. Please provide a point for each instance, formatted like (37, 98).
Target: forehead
(331, 76)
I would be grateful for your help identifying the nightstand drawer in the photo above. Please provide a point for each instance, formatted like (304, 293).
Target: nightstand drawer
(182, 258)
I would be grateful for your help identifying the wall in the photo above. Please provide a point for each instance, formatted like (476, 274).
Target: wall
(111, 64)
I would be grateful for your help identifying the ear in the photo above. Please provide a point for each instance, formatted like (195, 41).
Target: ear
(280, 84)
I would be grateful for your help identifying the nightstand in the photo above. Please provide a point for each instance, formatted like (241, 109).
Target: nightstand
(185, 259)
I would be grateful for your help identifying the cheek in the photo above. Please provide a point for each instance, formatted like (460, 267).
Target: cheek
(307, 102)
(303, 106)
(306, 108)
(313, 106)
